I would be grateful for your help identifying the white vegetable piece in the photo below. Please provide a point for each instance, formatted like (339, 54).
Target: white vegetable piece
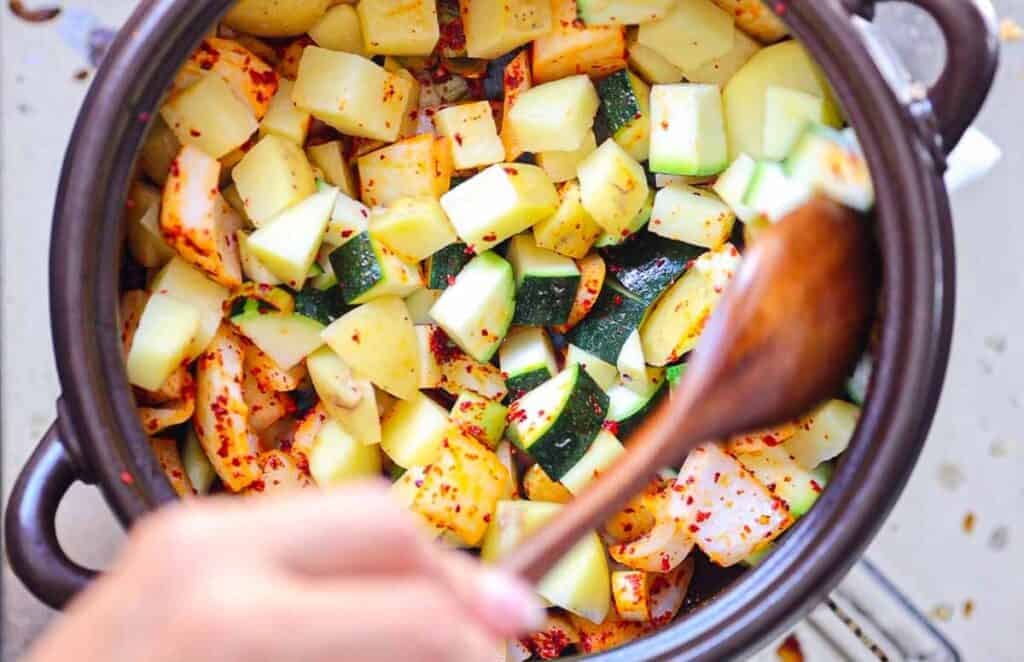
(731, 186)
(786, 114)
(555, 116)
(161, 341)
(694, 32)
(696, 216)
(473, 134)
(613, 187)
(687, 130)
(824, 434)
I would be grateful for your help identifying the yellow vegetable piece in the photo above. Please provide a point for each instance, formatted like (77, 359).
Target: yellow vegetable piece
(399, 27)
(209, 116)
(273, 176)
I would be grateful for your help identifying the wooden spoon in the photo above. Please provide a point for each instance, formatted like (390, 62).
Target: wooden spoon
(783, 338)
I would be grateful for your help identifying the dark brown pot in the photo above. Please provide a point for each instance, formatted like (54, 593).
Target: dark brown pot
(97, 437)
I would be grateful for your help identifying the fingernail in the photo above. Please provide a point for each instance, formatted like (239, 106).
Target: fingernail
(512, 601)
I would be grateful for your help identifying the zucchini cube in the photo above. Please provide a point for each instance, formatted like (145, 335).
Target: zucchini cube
(367, 270)
(165, 333)
(415, 228)
(480, 417)
(527, 357)
(546, 283)
(687, 130)
(570, 231)
(626, 110)
(287, 245)
(476, 311)
(786, 114)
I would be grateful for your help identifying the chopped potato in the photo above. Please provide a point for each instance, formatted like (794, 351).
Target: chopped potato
(273, 176)
(275, 18)
(409, 168)
(399, 27)
(284, 118)
(495, 28)
(473, 134)
(209, 116)
(339, 30)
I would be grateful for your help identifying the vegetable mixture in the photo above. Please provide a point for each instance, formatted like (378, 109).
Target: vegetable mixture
(468, 245)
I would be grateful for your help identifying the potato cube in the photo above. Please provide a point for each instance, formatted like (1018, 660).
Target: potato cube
(415, 228)
(339, 30)
(329, 157)
(473, 133)
(613, 187)
(284, 118)
(706, 30)
(161, 341)
(275, 18)
(410, 168)
(209, 116)
(570, 231)
(399, 27)
(561, 166)
(556, 116)
(351, 93)
(495, 28)
(273, 176)
(574, 49)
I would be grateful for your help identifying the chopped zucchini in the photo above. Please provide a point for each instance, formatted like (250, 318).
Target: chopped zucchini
(351, 93)
(798, 487)
(692, 215)
(324, 306)
(786, 114)
(337, 458)
(859, 382)
(430, 368)
(579, 582)
(473, 134)
(706, 31)
(495, 28)
(499, 202)
(415, 228)
(396, 27)
(286, 337)
(626, 109)
(355, 338)
(527, 358)
(444, 265)
(622, 12)
(209, 116)
(570, 231)
(648, 264)
(639, 221)
(555, 116)
(348, 398)
(601, 455)
(731, 186)
(628, 407)
(414, 431)
(339, 30)
(546, 283)
(368, 270)
(477, 310)
(415, 167)
(480, 417)
(687, 130)
(557, 421)
(614, 317)
(162, 340)
(419, 303)
(613, 187)
(571, 48)
(632, 367)
(289, 243)
(561, 166)
(823, 434)
(284, 118)
(349, 219)
(772, 193)
(180, 280)
(830, 162)
(604, 373)
(271, 177)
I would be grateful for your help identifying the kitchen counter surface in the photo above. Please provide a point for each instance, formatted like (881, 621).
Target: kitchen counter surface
(955, 540)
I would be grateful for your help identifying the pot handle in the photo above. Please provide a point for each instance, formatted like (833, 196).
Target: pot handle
(30, 524)
(972, 54)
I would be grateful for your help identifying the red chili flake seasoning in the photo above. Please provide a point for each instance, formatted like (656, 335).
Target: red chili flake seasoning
(693, 528)
(345, 234)
(175, 169)
(490, 236)
(144, 117)
(195, 133)
(815, 486)
(355, 337)
(450, 279)
(469, 250)
(666, 563)
(689, 501)
(258, 485)
(268, 77)
(516, 415)
(718, 475)
(127, 478)
(611, 426)
(442, 347)
(702, 516)
(458, 138)
(511, 171)
(617, 300)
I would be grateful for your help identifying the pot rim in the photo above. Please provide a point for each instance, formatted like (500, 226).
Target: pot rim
(100, 426)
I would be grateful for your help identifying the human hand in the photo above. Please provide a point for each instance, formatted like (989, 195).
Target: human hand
(342, 575)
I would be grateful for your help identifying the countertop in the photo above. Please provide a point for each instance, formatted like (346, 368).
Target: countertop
(953, 544)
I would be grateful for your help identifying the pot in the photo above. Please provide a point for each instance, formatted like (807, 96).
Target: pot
(97, 438)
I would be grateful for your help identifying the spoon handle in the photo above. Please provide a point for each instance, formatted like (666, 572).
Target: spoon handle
(664, 438)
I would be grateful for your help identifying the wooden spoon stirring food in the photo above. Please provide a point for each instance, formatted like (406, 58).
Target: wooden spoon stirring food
(784, 336)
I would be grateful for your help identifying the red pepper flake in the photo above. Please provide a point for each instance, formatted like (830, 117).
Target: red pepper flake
(458, 138)
(611, 426)
(815, 486)
(511, 171)
(441, 346)
(770, 440)
(127, 478)
(702, 516)
(689, 500)
(487, 517)
(195, 133)
(614, 268)
(144, 117)
(693, 528)
(789, 650)
(490, 236)
(450, 279)
(718, 475)
(617, 300)
(469, 250)
(345, 234)
(666, 564)
(355, 337)
(258, 485)
(516, 415)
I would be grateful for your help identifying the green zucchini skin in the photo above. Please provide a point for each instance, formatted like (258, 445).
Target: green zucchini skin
(324, 306)
(444, 265)
(357, 267)
(620, 101)
(626, 425)
(520, 385)
(567, 439)
(545, 301)
(615, 315)
(648, 264)
(674, 374)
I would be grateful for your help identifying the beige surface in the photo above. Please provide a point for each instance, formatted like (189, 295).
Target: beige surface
(976, 442)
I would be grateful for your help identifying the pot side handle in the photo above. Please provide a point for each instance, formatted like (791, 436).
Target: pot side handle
(972, 55)
(30, 525)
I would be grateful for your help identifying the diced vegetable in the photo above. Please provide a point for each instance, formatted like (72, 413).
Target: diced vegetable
(692, 215)
(633, 227)
(351, 93)
(723, 508)
(414, 431)
(368, 270)
(555, 116)
(399, 27)
(648, 264)
(196, 221)
(273, 176)
(287, 338)
(419, 303)
(687, 130)
(677, 319)
(415, 167)
(188, 285)
(592, 274)
(480, 417)
(415, 228)
(539, 487)
(527, 359)
(659, 550)
(473, 134)
(197, 466)
(731, 186)
(546, 283)
(329, 157)
(495, 28)
(827, 161)
(632, 368)
(824, 433)
(570, 231)
(784, 65)
(275, 18)
(289, 243)
(571, 48)
(614, 317)
(706, 31)
(476, 311)
(622, 12)
(250, 78)
(158, 151)
(613, 187)
(284, 118)
(430, 368)
(561, 166)
(557, 421)
(162, 340)
(355, 338)
(719, 70)
(349, 219)
(337, 458)
(772, 194)
(601, 455)
(579, 582)
(629, 405)
(253, 269)
(499, 202)
(209, 116)
(651, 65)
(339, 30)
(786, 114)
(516, 79)
(142, 216)
(604, 373)
(626, 110)
(755, 18)
(444, 265)
(776, 470)
(348, 398)
(461, 373)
